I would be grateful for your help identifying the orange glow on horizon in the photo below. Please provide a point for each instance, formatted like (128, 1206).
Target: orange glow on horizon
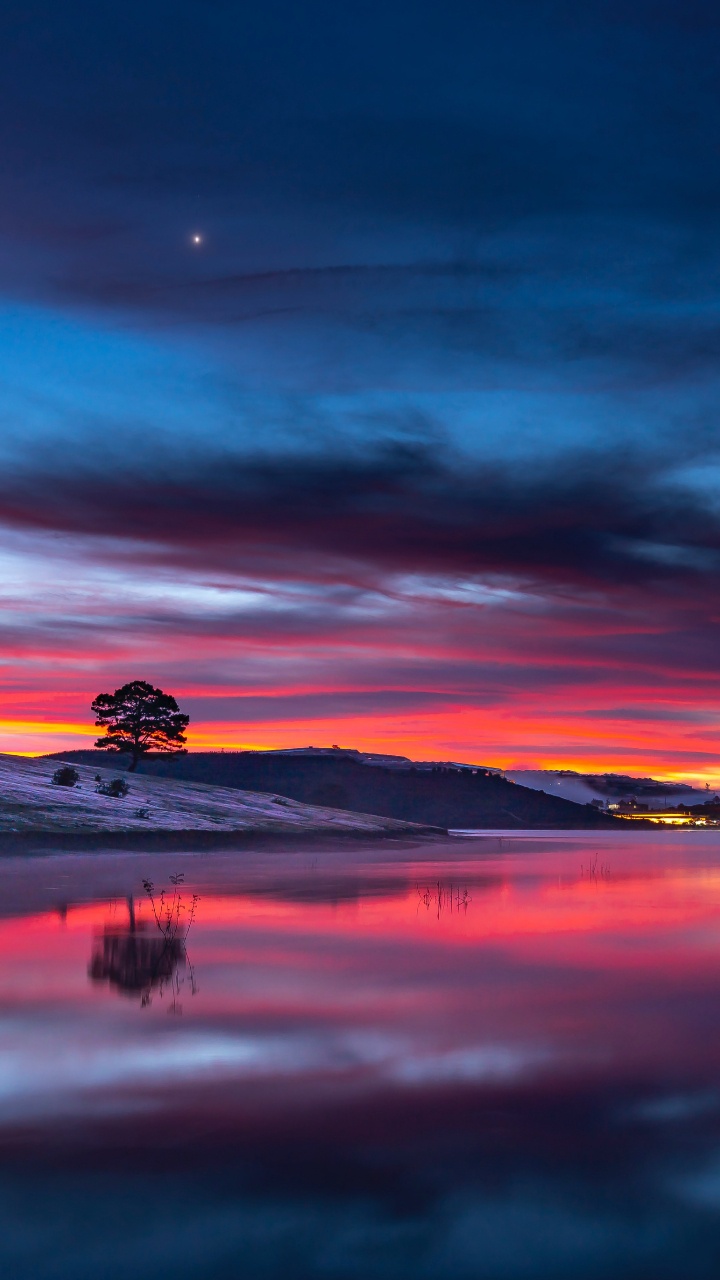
(501, 740)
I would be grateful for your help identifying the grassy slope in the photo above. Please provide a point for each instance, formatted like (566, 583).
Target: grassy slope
(30, 802)
(442, 799)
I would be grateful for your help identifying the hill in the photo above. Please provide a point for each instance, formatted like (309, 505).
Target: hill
(29, 802)
(606, 787)
(444, 796)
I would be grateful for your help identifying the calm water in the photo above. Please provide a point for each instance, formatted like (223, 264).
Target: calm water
(481, 1058)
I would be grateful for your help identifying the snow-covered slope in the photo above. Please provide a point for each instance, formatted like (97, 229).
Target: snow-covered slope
(29, 801)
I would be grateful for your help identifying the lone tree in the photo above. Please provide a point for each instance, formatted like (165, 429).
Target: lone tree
(139, 719)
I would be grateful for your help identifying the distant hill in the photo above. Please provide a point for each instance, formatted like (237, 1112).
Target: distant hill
(442, 795)
(606, 787)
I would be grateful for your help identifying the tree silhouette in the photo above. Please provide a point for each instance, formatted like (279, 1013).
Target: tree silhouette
(139, 719)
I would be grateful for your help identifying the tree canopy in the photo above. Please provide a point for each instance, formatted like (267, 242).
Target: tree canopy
(138, 719)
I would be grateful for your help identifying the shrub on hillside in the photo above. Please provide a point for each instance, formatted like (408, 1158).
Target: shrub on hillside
(65, 776)
(117, 788)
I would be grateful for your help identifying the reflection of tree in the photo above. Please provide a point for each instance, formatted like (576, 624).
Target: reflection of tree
(136, 961)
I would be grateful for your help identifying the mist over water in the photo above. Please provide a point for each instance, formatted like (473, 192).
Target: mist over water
(493, 1057)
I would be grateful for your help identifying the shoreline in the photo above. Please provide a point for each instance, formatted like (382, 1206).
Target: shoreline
(46, 842)
(200, 840)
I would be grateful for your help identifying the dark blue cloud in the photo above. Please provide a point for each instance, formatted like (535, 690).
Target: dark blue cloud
(411, 507)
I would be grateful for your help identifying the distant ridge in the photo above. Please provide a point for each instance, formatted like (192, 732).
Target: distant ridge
(401, 763)
(447, 795)
(584, 788)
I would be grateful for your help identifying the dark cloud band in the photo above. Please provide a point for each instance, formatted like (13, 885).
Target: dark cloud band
(593, 521)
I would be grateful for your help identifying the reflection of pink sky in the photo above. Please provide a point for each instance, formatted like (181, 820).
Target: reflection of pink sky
(556, 975)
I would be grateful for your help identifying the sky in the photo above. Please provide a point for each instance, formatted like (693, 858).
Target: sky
(359, 375)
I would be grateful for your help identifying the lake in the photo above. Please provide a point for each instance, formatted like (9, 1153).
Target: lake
(487, 1057)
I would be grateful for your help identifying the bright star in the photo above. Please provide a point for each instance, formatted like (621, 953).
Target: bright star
(196, 238)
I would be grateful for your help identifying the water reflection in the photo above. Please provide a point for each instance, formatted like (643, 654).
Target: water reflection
(144, 956)
(502, 1065)
(439, 898)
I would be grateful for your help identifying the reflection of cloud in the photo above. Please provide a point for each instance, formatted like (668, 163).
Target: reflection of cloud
(484, 1063)
(39, 1074)
(436, 1184)
(700, 1188)
(218, 1227)
(675, 1108)
(37, 1081)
